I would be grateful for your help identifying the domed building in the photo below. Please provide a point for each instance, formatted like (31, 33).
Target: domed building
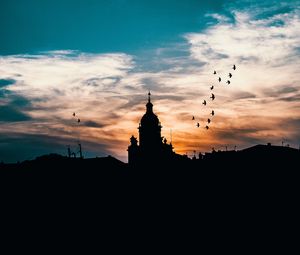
(151, 145)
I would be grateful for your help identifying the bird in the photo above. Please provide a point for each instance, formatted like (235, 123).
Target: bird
(208, 121)
(215, 72)
(230, 75)
(228, 82)
(234, 67)
(204, 102)
(220, 79)
(207, 127)
(74, 114)
(212, 87)
(198, 125)
(212, 97)
(212, 113)
(193, 118)
(78, 120)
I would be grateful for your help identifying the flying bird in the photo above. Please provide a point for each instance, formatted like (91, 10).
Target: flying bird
(212, 87)
(198, 125)
(234, 67)
(193, 118)
(212, 113)
(208, 121)
(212, 97)
(228, 82)
(78, 120)
(204, 102)
(230, 75)
(220, 79)
(215, 72)
(207, 127)
(74, 114)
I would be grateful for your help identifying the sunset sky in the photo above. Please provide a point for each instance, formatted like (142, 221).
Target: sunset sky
(99, 58)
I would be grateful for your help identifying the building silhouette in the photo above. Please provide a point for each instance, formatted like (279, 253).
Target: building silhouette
(152, 146)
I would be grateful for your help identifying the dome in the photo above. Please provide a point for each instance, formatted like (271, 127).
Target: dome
(149, 118)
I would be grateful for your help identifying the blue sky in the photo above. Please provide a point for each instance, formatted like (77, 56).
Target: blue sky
(99, 58)
(98, 26)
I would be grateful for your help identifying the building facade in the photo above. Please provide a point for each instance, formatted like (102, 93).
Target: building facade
(151, 146)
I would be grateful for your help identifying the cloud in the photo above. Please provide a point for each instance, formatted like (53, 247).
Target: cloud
(11, 114)
(242, 95)
(294, 98)
(218, 17)
(280, 90)
(263, 42)
(50, 86)
(66, 72)
(64, 79)
(6, 82)
(256, 43)
(108, 92)
(93, 124)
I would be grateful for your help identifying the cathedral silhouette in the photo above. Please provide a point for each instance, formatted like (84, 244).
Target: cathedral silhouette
(152, 146)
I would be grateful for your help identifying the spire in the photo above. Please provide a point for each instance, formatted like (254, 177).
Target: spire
(149, 105)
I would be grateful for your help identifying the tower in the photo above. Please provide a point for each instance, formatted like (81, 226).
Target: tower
(150, 131)
(151, 148)
(133, 151)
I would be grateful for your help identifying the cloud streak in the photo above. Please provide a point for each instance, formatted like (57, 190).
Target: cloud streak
(108, 91)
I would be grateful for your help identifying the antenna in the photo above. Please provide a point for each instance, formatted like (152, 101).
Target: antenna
(69, 151)
(80, 150)
(171, 135)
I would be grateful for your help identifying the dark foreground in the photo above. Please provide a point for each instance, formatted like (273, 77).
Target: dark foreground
(228, 200)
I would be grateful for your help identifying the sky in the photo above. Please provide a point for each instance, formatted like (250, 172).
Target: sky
(100, 58)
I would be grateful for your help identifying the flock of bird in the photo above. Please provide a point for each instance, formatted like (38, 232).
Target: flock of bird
(74, 115)
(212, 97)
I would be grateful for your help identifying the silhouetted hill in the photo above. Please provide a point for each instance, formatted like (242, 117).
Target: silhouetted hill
(56, 162)
(258, 157)
(225, 192)
(255, 163)
(270, 150)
